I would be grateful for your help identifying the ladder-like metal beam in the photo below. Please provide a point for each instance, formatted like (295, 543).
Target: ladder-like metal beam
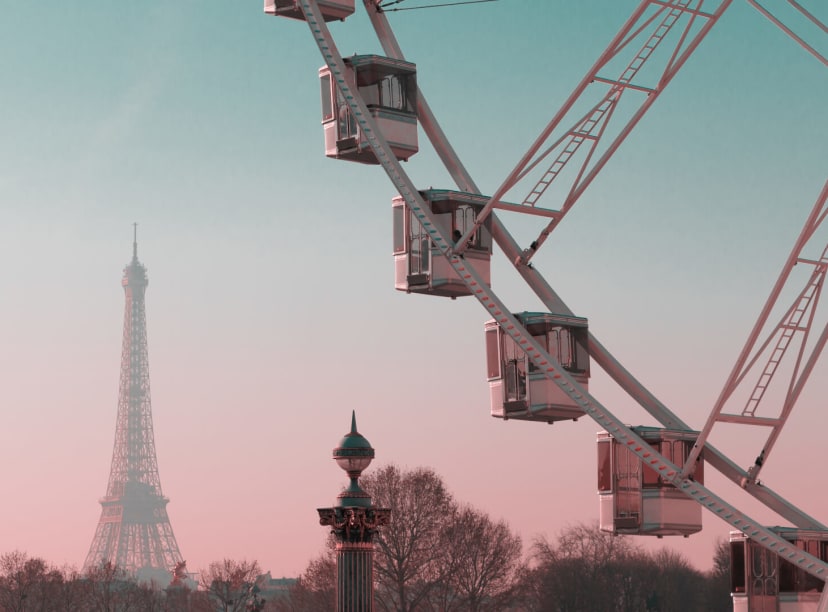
(753, 349)
(653, 19)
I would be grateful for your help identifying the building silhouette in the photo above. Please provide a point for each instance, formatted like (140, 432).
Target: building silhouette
(134, 531)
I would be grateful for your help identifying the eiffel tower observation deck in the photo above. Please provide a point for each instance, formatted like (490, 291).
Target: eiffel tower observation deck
(134, 531)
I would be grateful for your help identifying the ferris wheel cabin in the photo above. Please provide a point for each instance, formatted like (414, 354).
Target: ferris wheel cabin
(634, 499)
(419, 266)
(518, 390)
(389, 89)
(761, 580)
(331, 10)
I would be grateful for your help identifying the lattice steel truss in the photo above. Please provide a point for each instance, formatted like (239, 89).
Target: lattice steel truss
(134, 531)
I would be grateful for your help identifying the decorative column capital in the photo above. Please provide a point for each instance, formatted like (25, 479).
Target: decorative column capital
(354, 524)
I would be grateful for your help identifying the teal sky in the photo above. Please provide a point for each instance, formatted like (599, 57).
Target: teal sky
(271, 307)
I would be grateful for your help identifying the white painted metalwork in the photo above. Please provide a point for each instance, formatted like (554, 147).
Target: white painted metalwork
(389, 88)
(517, 389)
(634, 499)
(589, 129)
(418, 265)
(718, 460)
(535, 280)
(510, 324)
(793, 329)
(798, 39)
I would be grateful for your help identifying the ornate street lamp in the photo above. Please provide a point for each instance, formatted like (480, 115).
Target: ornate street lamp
(354, 521)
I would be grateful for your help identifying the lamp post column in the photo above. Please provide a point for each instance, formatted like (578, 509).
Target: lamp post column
(354, 521)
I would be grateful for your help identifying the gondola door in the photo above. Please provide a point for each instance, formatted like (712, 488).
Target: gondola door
(627, 472)
(514, 374)
(419, 255)
(763, 585)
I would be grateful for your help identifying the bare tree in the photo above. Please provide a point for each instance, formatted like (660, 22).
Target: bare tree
(111, 589)
(717, 589)
(28, 583)
(593, 570)
(315, 589)
(594, 546)
(231, 585)
(72, 592)
(432, 556)
(677, 585)
(483, 563)
(409, 564)
(587, 570)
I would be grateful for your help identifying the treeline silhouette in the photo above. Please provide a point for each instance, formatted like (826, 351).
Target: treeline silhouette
(30, 584)
(436, 555)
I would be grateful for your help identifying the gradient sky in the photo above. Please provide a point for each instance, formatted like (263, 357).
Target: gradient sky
(271, 310)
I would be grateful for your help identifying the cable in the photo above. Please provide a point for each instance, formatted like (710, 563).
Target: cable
(382, 7)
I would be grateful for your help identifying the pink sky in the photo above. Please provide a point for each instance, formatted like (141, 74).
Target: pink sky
(271, 310)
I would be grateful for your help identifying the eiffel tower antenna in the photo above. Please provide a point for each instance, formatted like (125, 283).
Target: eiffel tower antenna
(134, 531)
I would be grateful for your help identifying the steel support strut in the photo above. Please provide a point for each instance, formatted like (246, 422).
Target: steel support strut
(590, 128)
(749, 354)
(770, 17)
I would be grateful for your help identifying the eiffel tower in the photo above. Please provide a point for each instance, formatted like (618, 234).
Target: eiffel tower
(134, 531)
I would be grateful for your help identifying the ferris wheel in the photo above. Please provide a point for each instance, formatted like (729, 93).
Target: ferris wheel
(651, 479)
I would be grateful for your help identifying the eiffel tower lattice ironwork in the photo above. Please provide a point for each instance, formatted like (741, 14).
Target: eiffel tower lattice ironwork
(134, 531)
